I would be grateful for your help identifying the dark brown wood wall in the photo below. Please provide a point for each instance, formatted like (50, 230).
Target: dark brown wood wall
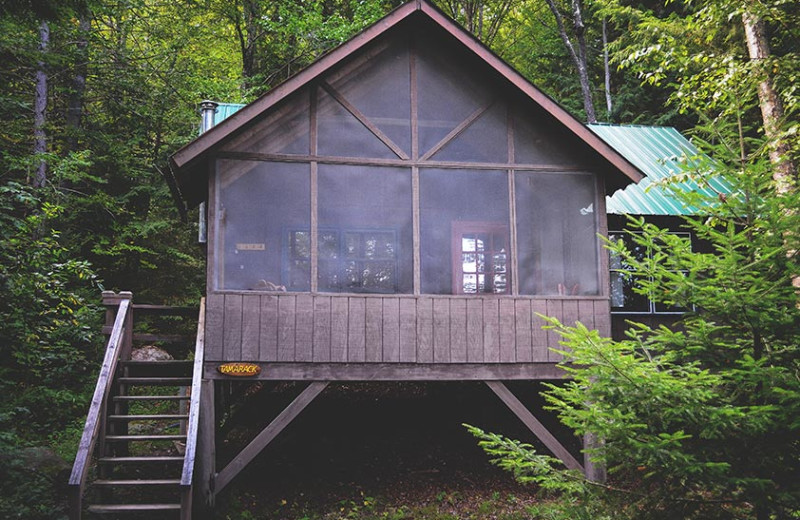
(390, 329)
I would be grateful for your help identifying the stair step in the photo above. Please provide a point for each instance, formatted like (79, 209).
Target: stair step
(148, 417)
(153, 381)
(145, 437)
(138, 482)
(152, 398)
(137, 460)
(122, 508)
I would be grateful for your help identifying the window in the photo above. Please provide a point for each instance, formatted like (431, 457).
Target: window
(298, 252)
(480, 258)
(349, 260)
(358, 261)
(365, 229)
(623, 280)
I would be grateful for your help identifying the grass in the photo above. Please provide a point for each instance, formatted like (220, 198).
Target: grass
(444, 505)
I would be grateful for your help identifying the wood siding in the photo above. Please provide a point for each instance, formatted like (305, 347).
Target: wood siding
(304, 328)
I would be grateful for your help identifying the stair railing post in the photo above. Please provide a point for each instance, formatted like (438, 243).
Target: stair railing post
(93, 434)
(112, 300)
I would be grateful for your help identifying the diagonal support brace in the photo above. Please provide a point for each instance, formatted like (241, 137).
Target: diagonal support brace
(534, 425)
(268, 434)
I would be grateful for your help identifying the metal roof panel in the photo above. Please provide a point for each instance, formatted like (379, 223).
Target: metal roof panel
(658, 152)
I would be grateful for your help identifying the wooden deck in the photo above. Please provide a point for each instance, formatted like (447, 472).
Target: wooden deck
(406, 330)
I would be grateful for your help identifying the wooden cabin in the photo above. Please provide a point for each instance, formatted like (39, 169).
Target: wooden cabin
(403, 209)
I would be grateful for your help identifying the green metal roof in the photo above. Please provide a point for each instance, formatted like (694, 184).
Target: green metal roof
(660, 153)
(226, 110)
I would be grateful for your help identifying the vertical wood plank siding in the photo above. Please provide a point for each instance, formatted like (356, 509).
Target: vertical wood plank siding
(389, 329)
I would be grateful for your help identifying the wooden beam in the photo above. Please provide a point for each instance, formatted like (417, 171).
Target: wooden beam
(554, 169)
(457, 130)
(398, 371)
(205, 466)
(187, 474)
(269, 433)
(364, 120)
(534, 425)
(92, 430)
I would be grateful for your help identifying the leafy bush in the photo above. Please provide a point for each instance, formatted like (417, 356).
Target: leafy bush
(48, 344)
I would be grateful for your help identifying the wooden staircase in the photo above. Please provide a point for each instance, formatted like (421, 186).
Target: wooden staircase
(139, 466)
(137, 453)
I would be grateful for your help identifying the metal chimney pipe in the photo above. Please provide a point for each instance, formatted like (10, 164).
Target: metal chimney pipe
(207, 110)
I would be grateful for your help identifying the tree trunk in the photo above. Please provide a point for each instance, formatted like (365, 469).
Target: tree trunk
(76, 96)
(583, 55)
(579, 56)
(248, 39)
(40, 108)
(606, 71)
(772, 114)
(784, 171)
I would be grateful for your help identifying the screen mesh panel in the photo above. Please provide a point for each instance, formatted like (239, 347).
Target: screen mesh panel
(257, 203)
(449, 198)
(365, 229)
(381, 89)
(556, 234)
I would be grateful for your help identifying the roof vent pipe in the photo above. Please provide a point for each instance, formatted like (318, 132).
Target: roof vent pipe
(207, 110)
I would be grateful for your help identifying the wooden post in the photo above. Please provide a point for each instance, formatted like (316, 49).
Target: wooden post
(205, 462)
(111, 300)
(593, 471)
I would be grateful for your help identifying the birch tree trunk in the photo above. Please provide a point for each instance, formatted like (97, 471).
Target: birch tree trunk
(606, 71)
(578, 55)
(784, 171)
(40, 108)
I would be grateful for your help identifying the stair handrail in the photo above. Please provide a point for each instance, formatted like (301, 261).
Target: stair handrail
(80, 468)
(187, 475)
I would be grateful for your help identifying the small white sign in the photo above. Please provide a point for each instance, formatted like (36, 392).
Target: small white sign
(251, 247)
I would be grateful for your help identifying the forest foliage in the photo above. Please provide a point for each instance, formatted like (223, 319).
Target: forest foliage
(121, 83)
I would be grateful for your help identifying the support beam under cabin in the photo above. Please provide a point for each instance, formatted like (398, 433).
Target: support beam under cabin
(534, 425)
(268, 434)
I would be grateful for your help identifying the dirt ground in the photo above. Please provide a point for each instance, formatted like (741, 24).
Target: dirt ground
(378, 446)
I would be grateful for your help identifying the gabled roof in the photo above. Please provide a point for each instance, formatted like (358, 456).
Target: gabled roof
(660, 153)
(189, 163)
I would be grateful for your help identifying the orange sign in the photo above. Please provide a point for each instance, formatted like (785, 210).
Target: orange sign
(239, 369)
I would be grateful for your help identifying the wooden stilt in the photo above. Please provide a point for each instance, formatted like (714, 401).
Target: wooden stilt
(205, 463)
(269, 433)
(533, 424)
(593, 471)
